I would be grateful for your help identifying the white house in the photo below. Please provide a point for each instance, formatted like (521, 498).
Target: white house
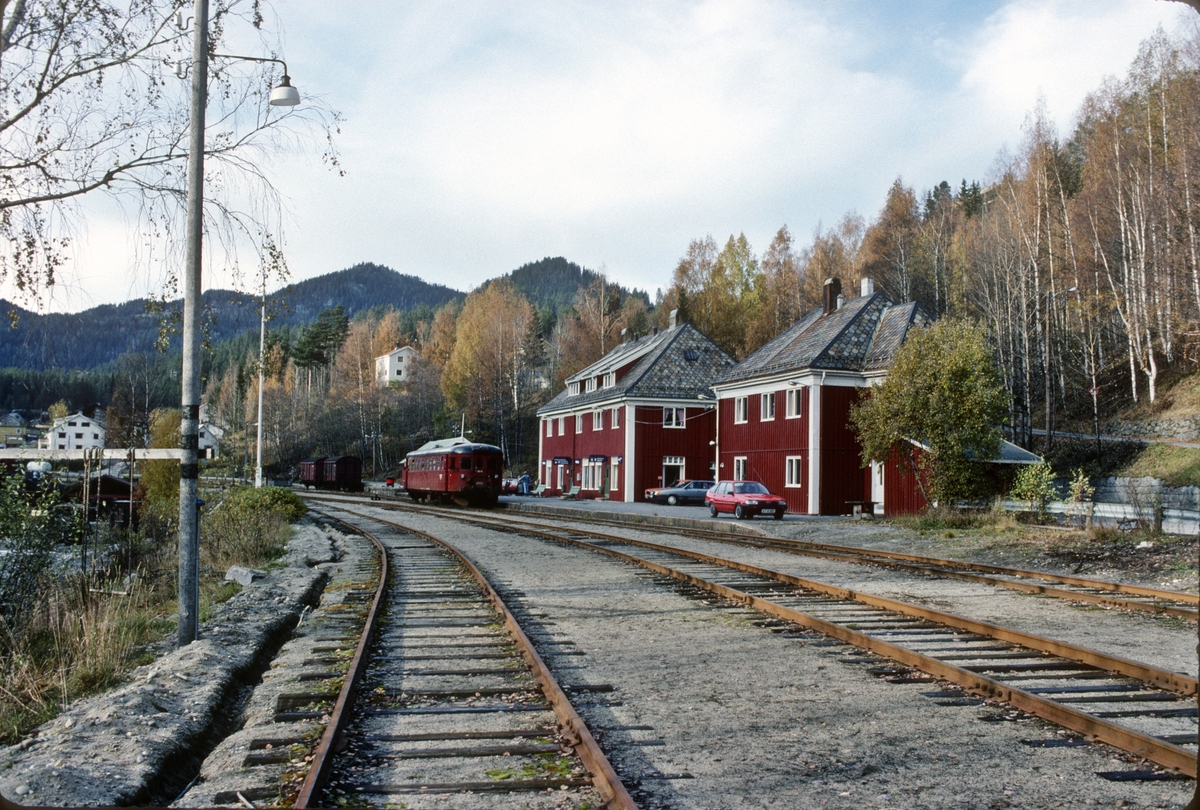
(394, 366)
(74, 432)
(210, 440)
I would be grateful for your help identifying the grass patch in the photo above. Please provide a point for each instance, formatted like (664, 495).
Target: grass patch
(947, 521)
(86, 632)
(1175, 466)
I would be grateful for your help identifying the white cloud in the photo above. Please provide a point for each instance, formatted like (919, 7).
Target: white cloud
(485, 136)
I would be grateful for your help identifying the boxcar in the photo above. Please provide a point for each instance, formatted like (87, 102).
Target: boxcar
(344, 473)
(454, 469)
(312, 472)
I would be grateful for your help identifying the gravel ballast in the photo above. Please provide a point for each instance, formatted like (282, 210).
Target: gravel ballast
(710, 710)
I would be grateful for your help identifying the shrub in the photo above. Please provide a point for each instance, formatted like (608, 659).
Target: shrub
(275, 499)
(1035, 483)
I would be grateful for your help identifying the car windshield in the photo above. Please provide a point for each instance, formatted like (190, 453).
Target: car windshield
(750, 488)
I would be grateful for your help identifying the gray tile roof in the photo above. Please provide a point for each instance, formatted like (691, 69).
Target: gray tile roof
(861, 336)
(679, 363)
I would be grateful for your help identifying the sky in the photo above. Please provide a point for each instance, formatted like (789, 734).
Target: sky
(479, 136)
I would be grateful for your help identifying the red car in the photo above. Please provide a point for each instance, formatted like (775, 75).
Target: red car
(745, 499)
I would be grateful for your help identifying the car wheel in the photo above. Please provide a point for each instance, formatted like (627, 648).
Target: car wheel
(779, 514)
(672, 500)
(739, 513)
(712, 509)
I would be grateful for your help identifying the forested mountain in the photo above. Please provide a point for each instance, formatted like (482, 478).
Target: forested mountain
(553, 283)
(100, 335)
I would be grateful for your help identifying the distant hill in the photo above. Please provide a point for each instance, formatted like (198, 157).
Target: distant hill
(552, 283)
(100, 335)
(94, 337)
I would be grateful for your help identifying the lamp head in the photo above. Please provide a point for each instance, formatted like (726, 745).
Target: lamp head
(285, 95)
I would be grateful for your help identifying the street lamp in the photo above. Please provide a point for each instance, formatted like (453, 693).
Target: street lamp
(189, 440)
(1050, 296)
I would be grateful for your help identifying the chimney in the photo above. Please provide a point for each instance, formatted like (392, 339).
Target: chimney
(868, 286)
(674, 319)
(624, 335)
(833, 288)
(840, 299)
(654, 330)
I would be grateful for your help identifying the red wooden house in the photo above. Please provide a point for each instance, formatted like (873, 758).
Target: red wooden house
(642, 416)
(784, 411)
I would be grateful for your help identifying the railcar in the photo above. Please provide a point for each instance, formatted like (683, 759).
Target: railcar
(312, 472)
(456, 470)
(337, 472)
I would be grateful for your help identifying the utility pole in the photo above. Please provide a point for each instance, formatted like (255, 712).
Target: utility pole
(189, 432)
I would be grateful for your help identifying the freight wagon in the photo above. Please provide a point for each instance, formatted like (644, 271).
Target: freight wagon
(454, 469)
(339, 472)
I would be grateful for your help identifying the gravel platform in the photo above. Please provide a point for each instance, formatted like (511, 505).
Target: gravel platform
(709, 710)
(140, 743)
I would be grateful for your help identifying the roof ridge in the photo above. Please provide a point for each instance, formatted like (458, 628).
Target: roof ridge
(666, 344)
(850, 321)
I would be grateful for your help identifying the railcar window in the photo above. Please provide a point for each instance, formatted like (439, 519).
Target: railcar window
(465, 463)
(494, 463)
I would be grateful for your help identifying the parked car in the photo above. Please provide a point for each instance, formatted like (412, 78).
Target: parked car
(508, 486)
(685, 490)
(744, 499)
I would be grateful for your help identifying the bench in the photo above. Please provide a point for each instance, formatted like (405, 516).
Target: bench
(570, 494)
(862, 509)
(539, 491)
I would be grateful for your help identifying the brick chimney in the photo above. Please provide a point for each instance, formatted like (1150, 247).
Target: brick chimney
(674, 319)
(868, 286)
(833, 288)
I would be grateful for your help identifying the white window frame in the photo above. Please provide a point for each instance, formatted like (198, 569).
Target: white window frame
(549, 428)
(579, 423)
(616, 417)
(610, 379)
(766, 407)
(741, 410)
(562, 426)
(597, 420)
(795, 401)
(674, 417)
(573, 389)
(794, 471)
(591, 384)
(739, 468)
(614, 483)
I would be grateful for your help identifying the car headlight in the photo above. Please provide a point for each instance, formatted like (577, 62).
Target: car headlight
(752, 502)
(783, 504)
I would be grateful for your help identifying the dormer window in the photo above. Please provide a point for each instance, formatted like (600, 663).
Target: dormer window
(610, 379)
(573, 389)
(591, 384)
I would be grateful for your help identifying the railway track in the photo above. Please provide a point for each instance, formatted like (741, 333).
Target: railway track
(445, 698)
(1070, 588)
(1136, 707)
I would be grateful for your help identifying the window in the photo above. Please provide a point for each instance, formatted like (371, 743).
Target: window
(71, 424)
(616, 478)
(85, 424)
(795, 471)
(573, 389)
(739, 468)
(549, 428)
(562, 426)
(674, 417)
(610, 379)
(591, 384)
(78, 435)
(767, 407)
(62, 435)
(96, 436)
(741, 410)
(579, 423)
(616, 418)
(795, 399)
(597, 420)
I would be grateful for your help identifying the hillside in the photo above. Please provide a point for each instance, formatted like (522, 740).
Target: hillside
(552, 283)
(99, 335)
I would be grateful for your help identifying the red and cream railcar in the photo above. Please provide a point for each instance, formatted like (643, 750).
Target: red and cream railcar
(454, 469)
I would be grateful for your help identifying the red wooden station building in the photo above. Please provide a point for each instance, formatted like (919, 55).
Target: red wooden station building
(784, 411)
(641, 416)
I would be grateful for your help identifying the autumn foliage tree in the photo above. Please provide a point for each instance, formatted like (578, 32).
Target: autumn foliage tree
(943, 395)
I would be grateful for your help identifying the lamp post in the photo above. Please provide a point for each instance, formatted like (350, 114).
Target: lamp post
(262, 341)
(189, 439)
(1050, 296)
